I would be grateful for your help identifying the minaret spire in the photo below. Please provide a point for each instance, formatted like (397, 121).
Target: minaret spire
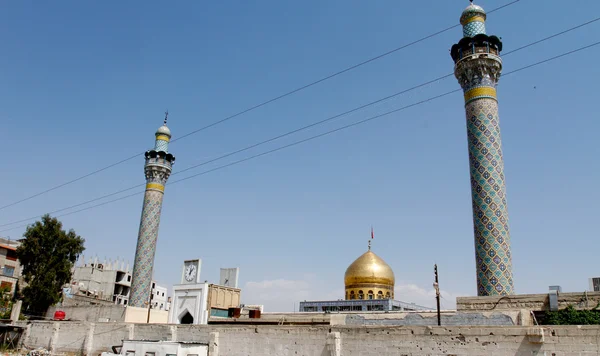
(166, 117)
(477, 67)
(159, 163)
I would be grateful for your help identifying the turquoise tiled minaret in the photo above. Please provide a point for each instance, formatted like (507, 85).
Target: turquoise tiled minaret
(477, 68)
(159, 163)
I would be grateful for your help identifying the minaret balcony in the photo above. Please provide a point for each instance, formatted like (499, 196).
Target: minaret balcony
(470, 47)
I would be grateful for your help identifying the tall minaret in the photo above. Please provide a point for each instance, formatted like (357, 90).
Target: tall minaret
(477, 68)
(157, 168)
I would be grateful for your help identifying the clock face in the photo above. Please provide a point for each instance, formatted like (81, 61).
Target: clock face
(190, 273)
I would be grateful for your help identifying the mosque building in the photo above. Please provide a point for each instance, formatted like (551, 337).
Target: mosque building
(369, 284)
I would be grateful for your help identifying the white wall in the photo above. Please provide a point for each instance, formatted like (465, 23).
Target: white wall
(257, 340)
(159, 298)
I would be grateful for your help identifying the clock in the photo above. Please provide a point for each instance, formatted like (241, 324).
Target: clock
(191, 271)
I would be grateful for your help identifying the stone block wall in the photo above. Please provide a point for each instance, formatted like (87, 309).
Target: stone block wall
(426, 318)
(533, 302)
(91, 313)
(249, 340)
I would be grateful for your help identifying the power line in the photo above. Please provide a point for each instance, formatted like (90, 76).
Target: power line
(327, 132)
(304, 127)
(264, 103)
(374, 102)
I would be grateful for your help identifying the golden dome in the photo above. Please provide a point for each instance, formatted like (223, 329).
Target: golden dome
(369, 269)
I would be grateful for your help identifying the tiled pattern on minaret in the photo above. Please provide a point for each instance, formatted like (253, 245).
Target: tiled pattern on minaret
(477, 67)
(490, 215)
(146, 248)
(157, 170)
(474, 28)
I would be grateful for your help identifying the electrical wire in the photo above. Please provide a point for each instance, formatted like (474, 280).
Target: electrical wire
(326, 133)
(264, 103)
(302, 128)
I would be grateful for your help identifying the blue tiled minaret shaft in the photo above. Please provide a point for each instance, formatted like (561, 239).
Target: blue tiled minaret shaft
(477, 68)
(158, 167)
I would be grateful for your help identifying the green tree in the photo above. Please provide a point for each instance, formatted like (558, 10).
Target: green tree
(5, 302)
(572, 316)
(47, 255)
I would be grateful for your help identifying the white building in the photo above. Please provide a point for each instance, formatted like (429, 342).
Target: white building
(159, 297)
(111, 281)
(595, 284)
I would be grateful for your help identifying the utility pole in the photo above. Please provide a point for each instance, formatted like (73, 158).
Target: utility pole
(150, 305)
(436, 285)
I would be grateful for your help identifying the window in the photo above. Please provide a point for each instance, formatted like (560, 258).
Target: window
(380, 295)
(387, 295)
(352, 296)
(128, 278)
(361, 295)
(11, 255)
(9, 271)
(6, 285)
(370, 294)
(163, 294)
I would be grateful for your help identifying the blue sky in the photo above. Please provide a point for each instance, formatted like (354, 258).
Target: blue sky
(85, 85)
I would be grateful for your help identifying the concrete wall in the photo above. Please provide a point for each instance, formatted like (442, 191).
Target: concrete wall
(534, 302)
(96, 281)
(425, 318)
(92, 313)
(93, 338)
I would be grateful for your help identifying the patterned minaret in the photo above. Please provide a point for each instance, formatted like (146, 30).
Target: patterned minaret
(157, 168)
(477, 68)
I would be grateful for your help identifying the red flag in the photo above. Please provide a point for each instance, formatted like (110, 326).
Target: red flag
(372, 232)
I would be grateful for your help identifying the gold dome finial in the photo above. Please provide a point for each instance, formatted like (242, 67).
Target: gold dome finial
(369, 277)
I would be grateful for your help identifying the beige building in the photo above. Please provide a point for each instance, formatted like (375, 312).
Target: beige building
(221, 298)
(10, 268)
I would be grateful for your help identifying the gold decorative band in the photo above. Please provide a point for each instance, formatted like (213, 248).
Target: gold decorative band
(163, 137)
(475, 18)
(480, 91)
(155, 186)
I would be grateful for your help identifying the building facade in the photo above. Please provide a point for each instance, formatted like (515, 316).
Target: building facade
(157, 168)
(477, 67)
(359, 306)
(221, 298)
(10, 268)
(110, 282)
